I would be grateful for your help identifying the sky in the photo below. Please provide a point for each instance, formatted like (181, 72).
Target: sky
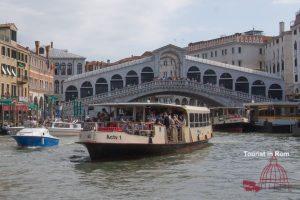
(114, 29)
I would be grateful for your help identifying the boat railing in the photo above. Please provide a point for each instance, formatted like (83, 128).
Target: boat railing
(133, 128)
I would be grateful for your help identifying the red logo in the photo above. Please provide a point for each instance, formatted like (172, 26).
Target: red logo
(273, 176)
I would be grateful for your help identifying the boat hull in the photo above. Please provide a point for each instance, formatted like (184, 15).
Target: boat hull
(35, 141)
(270, 128)
(113, 151)
(233, 127)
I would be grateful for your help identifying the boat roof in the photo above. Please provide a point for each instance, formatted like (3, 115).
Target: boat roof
(212, 108)
(143, 104)
(280, 103)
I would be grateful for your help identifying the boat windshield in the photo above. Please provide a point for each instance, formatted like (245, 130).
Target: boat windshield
(61, 125)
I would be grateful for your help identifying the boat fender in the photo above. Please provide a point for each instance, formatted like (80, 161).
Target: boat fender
(43, 139)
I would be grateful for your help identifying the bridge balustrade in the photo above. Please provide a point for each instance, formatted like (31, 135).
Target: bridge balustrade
(174, 84)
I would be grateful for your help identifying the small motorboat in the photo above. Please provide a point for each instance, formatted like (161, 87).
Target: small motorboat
(60, 128)
(35, 137)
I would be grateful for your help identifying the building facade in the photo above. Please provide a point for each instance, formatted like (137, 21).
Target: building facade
(241, 49)
(295, 29)
(65, 64)
(41, 83)
(14, 61)
(278, 56)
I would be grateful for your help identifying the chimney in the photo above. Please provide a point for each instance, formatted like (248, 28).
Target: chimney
(37, 46)
(281, 28)
(51, 45)
(47, 51)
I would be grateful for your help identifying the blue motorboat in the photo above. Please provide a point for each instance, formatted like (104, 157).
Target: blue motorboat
(35, 137)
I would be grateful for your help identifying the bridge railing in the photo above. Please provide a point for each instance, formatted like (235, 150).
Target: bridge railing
(166, 84)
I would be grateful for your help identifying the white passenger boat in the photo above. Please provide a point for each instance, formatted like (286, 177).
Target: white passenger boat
(59, 128)
(144, 129)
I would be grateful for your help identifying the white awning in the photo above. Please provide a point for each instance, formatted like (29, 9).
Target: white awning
(3, 70)
(7, 69)
(13, 72)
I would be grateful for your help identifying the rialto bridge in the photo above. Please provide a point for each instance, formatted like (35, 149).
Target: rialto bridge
(168, 71)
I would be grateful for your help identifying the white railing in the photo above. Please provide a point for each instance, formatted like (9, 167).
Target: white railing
(110, 68)
(234, 67)
(193, 86)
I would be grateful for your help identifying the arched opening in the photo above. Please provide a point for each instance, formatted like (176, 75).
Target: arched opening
(56, 86)
(210, 77)
(177, 101)
(275, 92)
(86, 89)
(258, 88)
(35, 101)
(184, 101)
(226, 81)
(194, 74)
(63, 69)
(132, 78)
(101, 86)
(62, 87)
(192, 102)
(242, 84)
(71, 93)
(56, 70)
(69, 69)
(79, 68)
(41, 103)
(147, 75)
(116, 82)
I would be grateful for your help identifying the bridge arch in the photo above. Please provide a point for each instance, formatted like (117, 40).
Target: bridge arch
(210, 76)
(116, 82)
(258, 88)
(242, 84)
(226, 81)
(275, 92)
(71, 93)
(86, 89)
(184, 101)
(132, 78)
(101, 86)
(147, 74)
(194, 73)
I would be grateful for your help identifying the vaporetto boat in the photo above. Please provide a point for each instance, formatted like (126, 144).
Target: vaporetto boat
(146, 129)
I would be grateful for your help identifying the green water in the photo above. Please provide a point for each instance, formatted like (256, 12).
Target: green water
(214, 172)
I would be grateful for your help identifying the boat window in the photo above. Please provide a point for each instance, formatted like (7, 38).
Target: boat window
(201, 119)
(196, 120)
(192, 119)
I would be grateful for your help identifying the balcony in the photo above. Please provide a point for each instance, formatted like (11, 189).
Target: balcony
(22, 79)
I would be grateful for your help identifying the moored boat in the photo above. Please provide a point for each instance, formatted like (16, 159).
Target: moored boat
(275, 117)
(146, 129)
(35, 137)
(60, 128)
(230, 119)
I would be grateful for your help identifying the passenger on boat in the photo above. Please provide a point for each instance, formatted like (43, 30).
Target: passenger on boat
(173, 127)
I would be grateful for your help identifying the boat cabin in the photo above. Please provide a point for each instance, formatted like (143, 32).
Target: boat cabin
(274, 111)
(165, 123)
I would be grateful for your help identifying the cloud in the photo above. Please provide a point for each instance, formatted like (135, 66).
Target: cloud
(95, 28)
(286, 1)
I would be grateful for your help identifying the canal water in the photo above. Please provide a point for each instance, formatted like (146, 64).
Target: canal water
(214, 172)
